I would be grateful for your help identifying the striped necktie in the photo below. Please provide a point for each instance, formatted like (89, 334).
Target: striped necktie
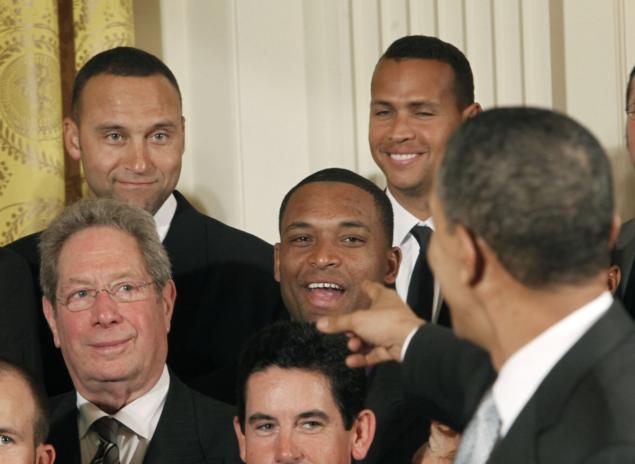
(481, 433)
(107, 452)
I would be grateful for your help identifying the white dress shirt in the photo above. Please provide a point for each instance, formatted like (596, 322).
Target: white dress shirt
(165, 214)
(525, 370)
(404, 221)
(140, 419)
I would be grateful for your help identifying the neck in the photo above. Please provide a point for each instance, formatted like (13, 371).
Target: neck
(532, 312)
(110, 397)
(415, 202)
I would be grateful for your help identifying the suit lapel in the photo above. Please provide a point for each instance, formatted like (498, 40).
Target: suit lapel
(544, 409)
(176, 438)
(186, 229)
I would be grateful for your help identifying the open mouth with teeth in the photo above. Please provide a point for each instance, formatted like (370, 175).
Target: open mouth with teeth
(324, 295)
(403, 156)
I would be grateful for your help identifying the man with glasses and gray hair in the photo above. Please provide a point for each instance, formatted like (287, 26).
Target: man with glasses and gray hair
(108, 299)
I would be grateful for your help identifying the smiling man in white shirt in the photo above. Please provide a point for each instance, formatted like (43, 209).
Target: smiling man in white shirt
(422, 90)
(523, 206)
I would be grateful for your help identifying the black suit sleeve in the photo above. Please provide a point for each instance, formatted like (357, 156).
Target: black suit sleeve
(446, 376)
(19, 310)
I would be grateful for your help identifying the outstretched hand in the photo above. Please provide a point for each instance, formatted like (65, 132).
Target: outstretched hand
(376, 334)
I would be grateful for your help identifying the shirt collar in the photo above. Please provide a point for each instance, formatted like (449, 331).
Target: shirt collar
(525, 370)
(404, 221)
(164, 216)
(136, 416)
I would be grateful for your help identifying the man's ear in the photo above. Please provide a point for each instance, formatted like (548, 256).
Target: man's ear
(71, 139)
(614, 278)
(394, 260)
(362, 433)
(240, 436)
(276, 262)
(169, 297)
(49, 314)
(471, 111)
(44, 454)
(472, 261)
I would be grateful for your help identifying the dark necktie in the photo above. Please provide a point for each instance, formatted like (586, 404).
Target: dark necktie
(421, 288)
(107, 452)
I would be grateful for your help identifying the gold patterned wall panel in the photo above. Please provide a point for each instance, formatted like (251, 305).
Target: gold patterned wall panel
(31, 153)
(101, 25)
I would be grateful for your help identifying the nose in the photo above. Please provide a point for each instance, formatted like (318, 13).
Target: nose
(104, 311)
(286, 451)
(401, 129)
(324, 255)
(138, 159)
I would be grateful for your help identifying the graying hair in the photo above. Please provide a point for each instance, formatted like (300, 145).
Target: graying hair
(101, 212)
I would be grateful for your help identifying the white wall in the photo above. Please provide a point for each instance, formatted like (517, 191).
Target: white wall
(276, 89)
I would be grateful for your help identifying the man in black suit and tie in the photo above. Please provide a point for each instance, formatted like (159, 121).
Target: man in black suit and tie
(19, 313)
(335, 233)
(422, 90)
(523, 206)
(108, 299)
(128, 131)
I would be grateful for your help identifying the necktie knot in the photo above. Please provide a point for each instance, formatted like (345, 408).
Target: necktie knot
(107, 429)
(421, 235)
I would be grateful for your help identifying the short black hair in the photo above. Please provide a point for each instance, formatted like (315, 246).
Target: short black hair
(537, 187)
(299, 345)
(431, 48)
(347, 177)
(628, 86)
(41, 416)
(119, 61)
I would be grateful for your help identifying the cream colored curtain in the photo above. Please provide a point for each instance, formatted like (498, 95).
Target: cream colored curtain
(34, 172)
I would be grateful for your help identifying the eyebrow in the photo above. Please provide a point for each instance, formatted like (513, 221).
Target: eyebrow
(259, 416)
(412, 105)
(346, 224)
(8, 431)
(115, 126)
(314, 413)
(88, 281)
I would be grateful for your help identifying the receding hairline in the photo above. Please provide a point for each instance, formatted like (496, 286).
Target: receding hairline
(76, 109)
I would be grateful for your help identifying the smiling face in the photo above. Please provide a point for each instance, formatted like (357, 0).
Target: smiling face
(413, 112)
(17, 423)
(291, 417)
(129, 137)
(110, 342)
(332, 239)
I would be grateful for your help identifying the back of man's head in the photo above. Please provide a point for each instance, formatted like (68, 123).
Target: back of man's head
(537, 187)
(119, 61)
(431, 48)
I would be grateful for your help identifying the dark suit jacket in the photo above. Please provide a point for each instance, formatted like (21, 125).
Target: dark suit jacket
(225, 292)
(19, 312)
(624, 258)
(402, 428)
(193, 429)
(583, 411)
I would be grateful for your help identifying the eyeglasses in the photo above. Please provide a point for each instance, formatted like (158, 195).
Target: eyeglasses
(121, 292)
